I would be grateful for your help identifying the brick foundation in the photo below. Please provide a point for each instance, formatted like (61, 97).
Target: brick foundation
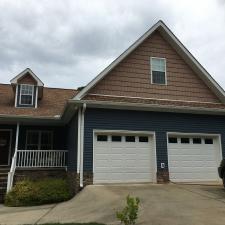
(74, 180)
(88, 178)
(34, 174)
(162, 176)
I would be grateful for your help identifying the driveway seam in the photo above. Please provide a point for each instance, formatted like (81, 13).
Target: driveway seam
(209, 197)
(45, 214)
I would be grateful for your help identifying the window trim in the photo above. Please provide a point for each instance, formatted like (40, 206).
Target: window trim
(39, 139)
(159, 71)
(30, 85)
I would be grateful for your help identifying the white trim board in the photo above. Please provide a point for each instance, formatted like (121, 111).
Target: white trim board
(177, 45)
(123, 132)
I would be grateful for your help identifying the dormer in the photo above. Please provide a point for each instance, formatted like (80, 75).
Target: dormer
(28, 89)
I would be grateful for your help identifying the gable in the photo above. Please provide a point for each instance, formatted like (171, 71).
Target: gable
(131, 77)
(27, 79)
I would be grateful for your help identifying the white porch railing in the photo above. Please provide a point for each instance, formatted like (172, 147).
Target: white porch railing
(41, 158)
(36, 159)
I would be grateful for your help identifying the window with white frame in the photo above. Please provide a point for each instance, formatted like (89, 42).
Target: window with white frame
(39, 140)
(26, 95)
(158, 70)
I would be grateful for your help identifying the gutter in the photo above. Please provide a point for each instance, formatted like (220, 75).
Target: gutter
(149, 107)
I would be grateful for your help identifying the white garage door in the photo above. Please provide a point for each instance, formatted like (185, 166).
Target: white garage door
(193, 158)
(123, 158)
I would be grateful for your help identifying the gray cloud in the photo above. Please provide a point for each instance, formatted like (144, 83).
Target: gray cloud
(67, 42)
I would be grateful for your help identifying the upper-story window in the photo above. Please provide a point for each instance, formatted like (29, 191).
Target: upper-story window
(26, 95)
(158, 70)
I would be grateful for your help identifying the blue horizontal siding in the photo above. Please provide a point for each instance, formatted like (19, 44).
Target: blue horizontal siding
(72, 143)
(160, 122)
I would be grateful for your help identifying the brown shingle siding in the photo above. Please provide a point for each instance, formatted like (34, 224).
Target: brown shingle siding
(131, 77)
(27, 79)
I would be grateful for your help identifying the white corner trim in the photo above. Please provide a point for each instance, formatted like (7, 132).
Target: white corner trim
(20, 75)
(16, 96)
(206, 77)
(36, 97)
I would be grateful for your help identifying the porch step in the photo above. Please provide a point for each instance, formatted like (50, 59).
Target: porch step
(3, 185)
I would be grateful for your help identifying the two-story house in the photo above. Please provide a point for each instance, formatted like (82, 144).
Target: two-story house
(153, 115)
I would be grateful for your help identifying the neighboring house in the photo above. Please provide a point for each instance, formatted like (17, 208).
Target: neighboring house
(154, 114)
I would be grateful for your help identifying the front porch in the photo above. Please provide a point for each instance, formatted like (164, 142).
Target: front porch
(31, 148)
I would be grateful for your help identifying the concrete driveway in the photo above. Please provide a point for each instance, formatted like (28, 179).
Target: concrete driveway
(171, 204)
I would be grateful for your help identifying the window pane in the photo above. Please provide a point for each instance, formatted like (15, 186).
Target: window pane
(116, 138)
(158, 64)
(208, 141)
(158, 77)
(102, 138)
(130, 138)
(185, 140)
(197, 140)
(26, 89)
(172, 140)
(26, 99)
(143, 139)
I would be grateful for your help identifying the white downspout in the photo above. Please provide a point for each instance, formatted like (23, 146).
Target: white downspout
(82, 145)
(78, 140)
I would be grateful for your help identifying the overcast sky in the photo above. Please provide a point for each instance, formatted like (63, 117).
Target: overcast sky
(67, 43)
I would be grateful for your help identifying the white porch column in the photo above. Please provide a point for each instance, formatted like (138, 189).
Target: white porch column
(17, 136)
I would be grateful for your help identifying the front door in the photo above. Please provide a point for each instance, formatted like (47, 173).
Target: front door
(5, 138)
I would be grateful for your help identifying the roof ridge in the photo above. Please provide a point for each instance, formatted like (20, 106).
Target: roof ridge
(61, 88)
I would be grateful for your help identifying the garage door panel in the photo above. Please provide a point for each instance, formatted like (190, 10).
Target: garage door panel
(116, 162)
(192, 162)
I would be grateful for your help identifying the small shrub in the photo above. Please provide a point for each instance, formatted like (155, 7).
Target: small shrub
(129, 214)
(27, 193)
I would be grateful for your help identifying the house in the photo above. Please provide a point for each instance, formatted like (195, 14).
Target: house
(153, 115)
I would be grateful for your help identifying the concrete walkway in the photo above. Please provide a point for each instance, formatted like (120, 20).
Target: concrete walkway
(160, 205)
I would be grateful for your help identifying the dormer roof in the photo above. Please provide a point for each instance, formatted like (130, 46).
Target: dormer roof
(27, 71)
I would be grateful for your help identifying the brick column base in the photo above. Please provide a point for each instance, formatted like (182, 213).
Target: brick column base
(74, 180)
(162, 176)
